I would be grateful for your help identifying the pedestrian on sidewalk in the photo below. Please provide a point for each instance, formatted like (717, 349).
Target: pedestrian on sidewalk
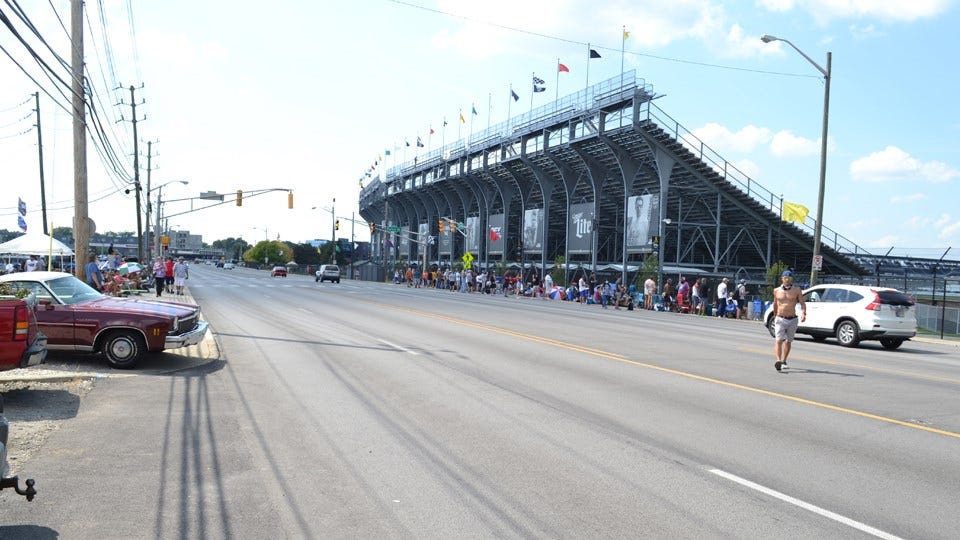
(159, 276)
(181, 272)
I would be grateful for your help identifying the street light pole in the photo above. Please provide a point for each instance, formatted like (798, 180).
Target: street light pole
(823, 149)
(333, 228)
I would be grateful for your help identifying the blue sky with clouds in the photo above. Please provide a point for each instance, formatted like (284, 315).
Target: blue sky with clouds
(305, 95)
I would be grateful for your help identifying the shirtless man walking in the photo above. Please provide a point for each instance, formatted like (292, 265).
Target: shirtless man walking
(785, 300)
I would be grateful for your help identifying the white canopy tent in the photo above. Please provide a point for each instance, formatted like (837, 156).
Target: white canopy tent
(35, 243)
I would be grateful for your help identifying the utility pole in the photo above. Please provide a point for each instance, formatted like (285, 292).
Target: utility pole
(136, 173)
(81, 222)
(146, 232)
(43, 192)
(353, 245)
(333, 228)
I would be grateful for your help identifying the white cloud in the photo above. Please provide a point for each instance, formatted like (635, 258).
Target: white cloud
(748, 168)
(893, 164)
(786, 144)
(913, 197)
(886, 241)
(950, 230)
(721, 139)
(827, 10)
(942, 220)
(866, 31)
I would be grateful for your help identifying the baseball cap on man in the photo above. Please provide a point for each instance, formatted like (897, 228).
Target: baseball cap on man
(787, 273)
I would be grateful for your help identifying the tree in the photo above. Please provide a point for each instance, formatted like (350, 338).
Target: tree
(559, 272)
(269, 252)
(306, 254)
(649, 270)
(773, 279)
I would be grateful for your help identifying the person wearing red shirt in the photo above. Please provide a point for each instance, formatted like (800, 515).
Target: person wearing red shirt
(168, 266)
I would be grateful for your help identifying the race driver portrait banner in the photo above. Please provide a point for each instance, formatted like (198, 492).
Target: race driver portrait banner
(533, 230)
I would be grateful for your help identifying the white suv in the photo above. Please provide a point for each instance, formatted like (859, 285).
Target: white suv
(852, 313)
(328, 272)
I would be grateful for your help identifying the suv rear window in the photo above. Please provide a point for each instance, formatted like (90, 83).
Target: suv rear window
(894, 298)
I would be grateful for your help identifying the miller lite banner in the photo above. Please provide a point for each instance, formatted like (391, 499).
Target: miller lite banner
(495, 235)
(580, 228)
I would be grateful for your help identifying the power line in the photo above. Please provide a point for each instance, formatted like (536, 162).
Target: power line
(584, 44)
(18, 105)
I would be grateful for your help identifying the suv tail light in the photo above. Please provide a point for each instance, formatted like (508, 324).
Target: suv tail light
(21, 323)
(875, 304)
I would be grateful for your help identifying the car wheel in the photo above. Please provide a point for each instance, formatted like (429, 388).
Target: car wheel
(123, 349)
(848, 334)
(316, 280)
(891, 343)
(770, 328)
(338, 281)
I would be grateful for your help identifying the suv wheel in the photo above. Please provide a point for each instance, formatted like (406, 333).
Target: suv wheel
(891, 343)
(848, 334)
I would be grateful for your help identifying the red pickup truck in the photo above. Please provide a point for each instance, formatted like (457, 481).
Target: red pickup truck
(21, 343)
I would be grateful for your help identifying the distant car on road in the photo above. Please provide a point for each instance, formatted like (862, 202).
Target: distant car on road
(852, 313)
(75, 317)
(228, 266)
(278, 271)
(328, 272)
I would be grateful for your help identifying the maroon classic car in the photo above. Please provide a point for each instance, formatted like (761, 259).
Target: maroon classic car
(75, 317)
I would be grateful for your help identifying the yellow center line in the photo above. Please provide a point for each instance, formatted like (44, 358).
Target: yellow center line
(620, 358)
(862, 366)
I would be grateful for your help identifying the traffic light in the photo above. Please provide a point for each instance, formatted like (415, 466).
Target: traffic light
(336, 225)
(239, 197)
(290, 200)
(443, 225)
(372, 228)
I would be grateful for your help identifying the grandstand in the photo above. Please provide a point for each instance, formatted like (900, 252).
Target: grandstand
(596, 177)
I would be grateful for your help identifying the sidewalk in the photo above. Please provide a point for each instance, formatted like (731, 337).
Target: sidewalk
(62, 366)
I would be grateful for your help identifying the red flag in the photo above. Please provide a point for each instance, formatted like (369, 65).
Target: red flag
(562, 68)
(431, 130)
(494, 235)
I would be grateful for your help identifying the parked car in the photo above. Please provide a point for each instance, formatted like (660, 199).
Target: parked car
(328, 272)
(7, 481)
(852, 313)
(280, 271)
(21, 342)
(228, 266)
(75, 317)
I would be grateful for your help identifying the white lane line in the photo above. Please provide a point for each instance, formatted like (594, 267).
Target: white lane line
(399, 348)
(806, 506)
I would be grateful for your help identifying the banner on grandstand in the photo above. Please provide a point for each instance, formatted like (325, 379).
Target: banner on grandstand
(424, 233)
(495, 235)
(473, 234)
(446, 242)
(405, 242)
(580, 228)
(533, 230)
(643, 211)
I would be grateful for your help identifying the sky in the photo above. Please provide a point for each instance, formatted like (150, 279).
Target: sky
(306, 95)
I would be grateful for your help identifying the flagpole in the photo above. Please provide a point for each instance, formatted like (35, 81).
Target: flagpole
(533, 89)
(588, 66)
(623, 44)
(473, 111)
(489, 109)
(443, 136)
(430, 139)
(460, 126)
(509, 103)
(556, 95)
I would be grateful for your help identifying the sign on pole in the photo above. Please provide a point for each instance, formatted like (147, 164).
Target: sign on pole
(818, 262)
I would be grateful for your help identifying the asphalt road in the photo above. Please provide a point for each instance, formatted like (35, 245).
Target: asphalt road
(362, 410)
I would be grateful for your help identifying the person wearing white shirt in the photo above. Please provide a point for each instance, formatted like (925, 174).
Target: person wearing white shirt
(722, 297)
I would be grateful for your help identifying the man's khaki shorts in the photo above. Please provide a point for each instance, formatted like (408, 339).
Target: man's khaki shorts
(785, 328)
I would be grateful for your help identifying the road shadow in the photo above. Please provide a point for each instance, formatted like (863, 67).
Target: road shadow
(154, 363)
(787, 370)
(23, 404)
(27, 532)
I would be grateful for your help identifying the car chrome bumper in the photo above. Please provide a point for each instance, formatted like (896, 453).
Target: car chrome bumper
(37, 352)
(186, 339)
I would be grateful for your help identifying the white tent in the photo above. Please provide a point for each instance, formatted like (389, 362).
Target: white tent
(35, 243)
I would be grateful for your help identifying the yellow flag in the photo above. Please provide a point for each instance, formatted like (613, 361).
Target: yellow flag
(626, 35)
(795, 212)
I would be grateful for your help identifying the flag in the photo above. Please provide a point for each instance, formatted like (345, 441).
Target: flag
(389, 244)
(22, 206)
(419, 142)
(626, 35)
(22, 223)
(462, 119)
(794, 212)
(473, 109)
(594, 54)
(444, 121)
(494, 234)
(562, 68)
(406, 142)
(431, 130)
(361, 183)
(387, 152)
(538, 84)
(514, 95)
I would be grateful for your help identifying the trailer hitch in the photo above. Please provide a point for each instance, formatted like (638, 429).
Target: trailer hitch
(14, 482)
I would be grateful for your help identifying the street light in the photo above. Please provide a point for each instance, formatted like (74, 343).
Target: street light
(823, 150)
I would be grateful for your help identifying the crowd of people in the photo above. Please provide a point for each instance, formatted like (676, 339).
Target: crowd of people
(701, 297)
